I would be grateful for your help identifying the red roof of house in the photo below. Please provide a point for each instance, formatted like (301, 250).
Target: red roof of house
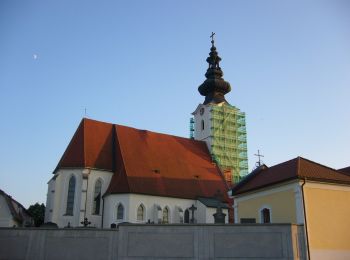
(298, 168)
(144, 162)
(345, 170)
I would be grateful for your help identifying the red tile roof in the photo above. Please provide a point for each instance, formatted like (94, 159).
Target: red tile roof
(298, 168)
(345, 170)
(144, 162)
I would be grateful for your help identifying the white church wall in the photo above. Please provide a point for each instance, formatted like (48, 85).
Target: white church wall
(132, 201)
(203, 134)
(201, 213)
(111, 203)
(206, 214)
(50, 196)
(83, 196)
(88, 198)
(61, 195)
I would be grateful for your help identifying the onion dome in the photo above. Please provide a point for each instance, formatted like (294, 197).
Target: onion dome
(214, 87)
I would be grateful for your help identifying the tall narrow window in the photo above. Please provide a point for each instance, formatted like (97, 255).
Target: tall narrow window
(187, 216)
(120, 212)
(202, 124)
(265, 216)
(181, 215)
(97, 197)
(70, 196)
(140, 213)
(165, 215)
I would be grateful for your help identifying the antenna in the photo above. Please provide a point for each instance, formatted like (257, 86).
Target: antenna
(85, 112)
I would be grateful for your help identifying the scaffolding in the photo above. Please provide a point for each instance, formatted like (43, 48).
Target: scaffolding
(192, 128)
(229, 140)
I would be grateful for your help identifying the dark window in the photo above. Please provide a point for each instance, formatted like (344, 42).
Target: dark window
(187, 216)
(70, 196)
(202, 124)
(265, 216)
(165, 216)
(97, 197)
(248, 220)
(140, 213)
(120, 212)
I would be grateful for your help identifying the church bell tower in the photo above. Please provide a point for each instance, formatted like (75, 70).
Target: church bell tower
(219, 124)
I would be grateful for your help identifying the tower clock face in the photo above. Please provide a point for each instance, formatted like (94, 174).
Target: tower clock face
(201, 111)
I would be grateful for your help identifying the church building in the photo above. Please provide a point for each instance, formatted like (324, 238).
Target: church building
(111, 173)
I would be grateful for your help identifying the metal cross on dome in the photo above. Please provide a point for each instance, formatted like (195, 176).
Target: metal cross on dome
(212, 37)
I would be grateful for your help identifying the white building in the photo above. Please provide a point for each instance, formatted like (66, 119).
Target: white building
(111, 174)
(12, 213)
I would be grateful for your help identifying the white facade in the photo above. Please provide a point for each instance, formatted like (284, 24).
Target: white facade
(19, 217)
(6, 219)
(203, 123)
(85, 180)
(202, 119)
(153, 209)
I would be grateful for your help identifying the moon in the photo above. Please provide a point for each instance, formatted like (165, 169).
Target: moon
(35, 56)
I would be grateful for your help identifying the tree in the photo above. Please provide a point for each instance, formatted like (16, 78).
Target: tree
(37, 211)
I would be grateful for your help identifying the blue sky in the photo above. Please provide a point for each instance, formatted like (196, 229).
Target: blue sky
(139, 63)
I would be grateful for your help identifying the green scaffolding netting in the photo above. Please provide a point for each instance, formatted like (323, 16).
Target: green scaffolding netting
(229, 140)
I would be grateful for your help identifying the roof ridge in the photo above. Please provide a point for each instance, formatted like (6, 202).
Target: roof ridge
(115, 126)
(157, 133)
(145, 130)
(70, 142)
(319, 164)
(298, 166)
(250, 176)
(84, 152)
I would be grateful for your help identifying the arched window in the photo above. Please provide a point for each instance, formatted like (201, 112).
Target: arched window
(120, 212)
(202, 124)
(187, 216)
(165, 215)
(140, 213)
(70, 196)
(97, 197)
(181, 215)
(265, 215)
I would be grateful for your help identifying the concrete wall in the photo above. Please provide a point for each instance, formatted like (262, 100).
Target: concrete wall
(283, 241)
